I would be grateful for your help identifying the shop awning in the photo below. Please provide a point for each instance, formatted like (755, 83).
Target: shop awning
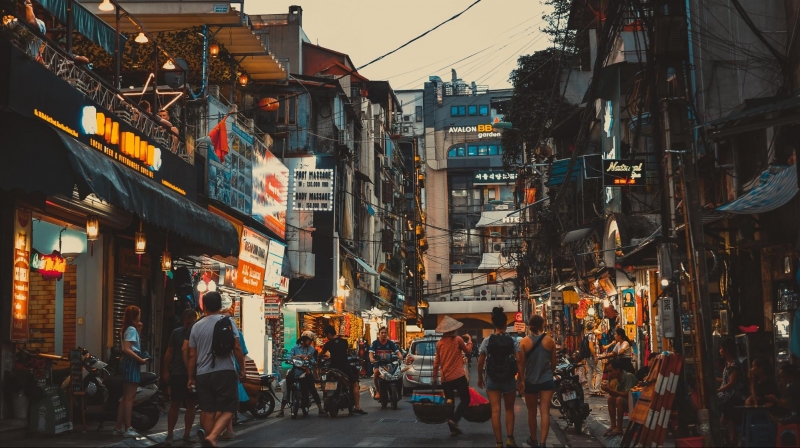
(575, 235)
(367, 268)
(86, 23)
(776, 187)
(51, 162)
(497, 218)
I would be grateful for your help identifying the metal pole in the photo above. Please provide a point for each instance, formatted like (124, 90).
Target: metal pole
(70, 25)
(117, 53)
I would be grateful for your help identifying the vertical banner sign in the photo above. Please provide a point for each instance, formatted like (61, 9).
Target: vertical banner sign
(272, 275)
(313, 190)
(666, 311)
(252, 260)
(272, 307)
(23, 227)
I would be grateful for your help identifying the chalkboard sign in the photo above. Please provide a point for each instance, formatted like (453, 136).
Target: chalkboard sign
(75, 370)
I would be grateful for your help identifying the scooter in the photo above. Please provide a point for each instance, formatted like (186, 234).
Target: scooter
(569, 394)
(262, 396)
(390, 380)
(298, 397)
(336, 388)
(103, 390)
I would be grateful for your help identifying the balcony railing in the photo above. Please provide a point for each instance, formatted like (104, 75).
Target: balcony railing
(82, 78)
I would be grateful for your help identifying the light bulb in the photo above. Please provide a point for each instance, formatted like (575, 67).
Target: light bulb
(212, 285)
(201, 286)
(168, 65)
(590, 311)
(664, 282)
(141, 38)
(106, 6)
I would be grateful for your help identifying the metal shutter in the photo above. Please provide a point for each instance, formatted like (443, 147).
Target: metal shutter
(127, 292)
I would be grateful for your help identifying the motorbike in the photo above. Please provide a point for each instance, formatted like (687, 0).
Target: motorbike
(336, 388)
(103, 389)
(390, 380)
(569, 393)
(262, 396)
(298, 396)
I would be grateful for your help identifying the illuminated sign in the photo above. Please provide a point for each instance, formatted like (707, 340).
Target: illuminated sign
(51, 266)
(493, 177)
(483, 130)
(313, 190)
(20, 285)
(253, 252)
(617, 173)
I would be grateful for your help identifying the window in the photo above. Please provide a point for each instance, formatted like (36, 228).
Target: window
(492, 150)
(418, 114)
(484, 110)
(482, 151)
(461, 151)
(452, 152)
(491, 194)
(500, 150)
(473, 110)
(458, 111)
(472, 150)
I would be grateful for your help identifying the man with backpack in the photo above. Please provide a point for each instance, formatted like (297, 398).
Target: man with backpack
(213, 344)
(588, 353)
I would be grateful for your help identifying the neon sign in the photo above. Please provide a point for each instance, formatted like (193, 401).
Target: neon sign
(51, 266)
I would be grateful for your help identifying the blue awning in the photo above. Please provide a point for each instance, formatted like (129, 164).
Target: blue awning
(558, 172)
(776, 187)
(86, 23)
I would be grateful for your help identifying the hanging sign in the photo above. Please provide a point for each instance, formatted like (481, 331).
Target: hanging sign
(313, 190)
(666, 313)
(518, 316)
(519, 327)
(21, 279)
(252, 259)
(274, 266)
(51, 266)
(618, 173)
(272, 307)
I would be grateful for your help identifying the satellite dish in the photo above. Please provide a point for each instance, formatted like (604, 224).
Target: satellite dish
(177, 77)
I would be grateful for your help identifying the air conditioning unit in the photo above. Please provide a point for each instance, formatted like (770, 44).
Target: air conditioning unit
(501, 207)
(485, 294)
(496, 247)
(386, 162)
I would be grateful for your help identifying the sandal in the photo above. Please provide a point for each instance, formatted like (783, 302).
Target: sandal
(614, 433)
(608, 432)
(226, 436)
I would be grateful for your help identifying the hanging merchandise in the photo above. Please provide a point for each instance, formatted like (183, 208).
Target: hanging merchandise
(583, 308)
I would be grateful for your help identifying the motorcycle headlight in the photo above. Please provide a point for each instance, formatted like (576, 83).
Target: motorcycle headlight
(298, 363)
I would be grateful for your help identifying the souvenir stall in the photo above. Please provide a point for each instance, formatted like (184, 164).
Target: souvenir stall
(397, 331)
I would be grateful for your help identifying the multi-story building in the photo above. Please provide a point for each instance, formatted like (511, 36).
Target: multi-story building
(471, 229)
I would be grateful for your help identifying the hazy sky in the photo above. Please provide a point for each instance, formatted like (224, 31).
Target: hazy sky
(498, 30)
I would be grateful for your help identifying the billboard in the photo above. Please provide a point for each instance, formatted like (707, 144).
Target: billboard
(252, 259)
(272, 277)
(270, 190)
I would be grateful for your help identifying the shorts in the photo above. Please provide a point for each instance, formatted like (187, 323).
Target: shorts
(178, 390)
(218, 391)
(536, 388)
(505, 387)
(130, 370)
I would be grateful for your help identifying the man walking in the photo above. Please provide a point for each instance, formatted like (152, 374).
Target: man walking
(214, 373)
(176, 374)
(381, 347)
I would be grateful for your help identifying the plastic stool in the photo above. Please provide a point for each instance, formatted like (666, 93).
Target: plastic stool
(758, 429)
(788, 435)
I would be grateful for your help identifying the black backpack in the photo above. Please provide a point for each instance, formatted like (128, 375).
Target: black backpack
(224, 340)
(585, 351)
(501, 360)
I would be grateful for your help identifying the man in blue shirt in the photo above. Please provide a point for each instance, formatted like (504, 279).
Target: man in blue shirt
(381, 347)
(303, 350)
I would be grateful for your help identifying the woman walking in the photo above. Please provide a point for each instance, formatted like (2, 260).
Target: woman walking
(450, 360)
(536, 370)
(503, 354)
(129, 366)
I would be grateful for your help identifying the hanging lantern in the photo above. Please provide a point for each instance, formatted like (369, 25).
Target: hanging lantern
(212, 285)
(243, 79)
(202, 286)
(139, 241)
(92, 228)
(141, 38)
(268, 104)
(169, 65)
(213, 50)
(166, 261)
(106, 6)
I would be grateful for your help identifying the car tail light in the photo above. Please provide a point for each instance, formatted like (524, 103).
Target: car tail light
(410, 377)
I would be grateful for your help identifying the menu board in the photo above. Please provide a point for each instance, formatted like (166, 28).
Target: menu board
(75, 371)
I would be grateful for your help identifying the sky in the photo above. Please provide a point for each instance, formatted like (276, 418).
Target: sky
(499, 31)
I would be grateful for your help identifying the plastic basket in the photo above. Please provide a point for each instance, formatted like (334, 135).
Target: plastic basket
(478, 413)
(432, 413)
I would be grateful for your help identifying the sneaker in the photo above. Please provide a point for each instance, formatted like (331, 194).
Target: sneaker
(131, 433)
(201, 435)
(118, 432)
(510, 442)
(359, 412)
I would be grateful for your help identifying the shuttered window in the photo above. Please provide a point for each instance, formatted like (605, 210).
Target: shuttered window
(127, 292)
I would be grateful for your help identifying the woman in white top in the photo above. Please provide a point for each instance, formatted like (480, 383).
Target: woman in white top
(623, 350)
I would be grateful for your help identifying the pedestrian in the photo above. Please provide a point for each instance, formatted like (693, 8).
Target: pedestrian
(337, 347)
(536, 372)
(618, 396)
(214, 374)
(129, 366)
(450, 361)
(177, 376)
(500, 355)
(594, 374)
(228, 434)
(730, 393)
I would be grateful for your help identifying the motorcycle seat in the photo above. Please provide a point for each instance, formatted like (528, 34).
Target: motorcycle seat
(146, 378)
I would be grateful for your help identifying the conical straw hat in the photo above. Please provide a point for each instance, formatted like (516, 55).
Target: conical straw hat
(448, 324)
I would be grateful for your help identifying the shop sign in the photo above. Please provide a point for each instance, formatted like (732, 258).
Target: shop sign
(313, 190)
(623, 172)
(519, 327)
(666, 313)
(253, 251)
(130, 264)
(270, 190)
(71, 111)
(272, 275)
(20, 285)
(51, 266)
(483, 130)
(518, 317)
(272, 307)
(493, 177)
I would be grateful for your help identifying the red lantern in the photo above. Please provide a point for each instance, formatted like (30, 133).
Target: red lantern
(268, 104)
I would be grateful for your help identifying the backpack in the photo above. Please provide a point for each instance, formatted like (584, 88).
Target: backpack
(585, 351)
(223, 341)
(501, 361)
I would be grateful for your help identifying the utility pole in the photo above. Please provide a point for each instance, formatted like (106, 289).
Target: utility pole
(668, 60)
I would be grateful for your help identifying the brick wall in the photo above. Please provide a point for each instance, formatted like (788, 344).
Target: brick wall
(70, 298)
(42, 311)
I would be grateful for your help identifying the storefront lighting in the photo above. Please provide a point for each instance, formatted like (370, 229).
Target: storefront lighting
(92, 228)
(213, 50)
(590, 311)
(664, 282)
(140, 241)
(606, 303)
(202, 286)
(168, 65)
(106, 6)
(22, 241)
(166, 258)
(141, 38)
(244, 79)
(212, 286)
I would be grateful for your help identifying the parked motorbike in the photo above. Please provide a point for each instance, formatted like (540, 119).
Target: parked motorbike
(298, 395)
(103, 388)
(569, 393)
(336, 388)
(262, 396)
(390, 380)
